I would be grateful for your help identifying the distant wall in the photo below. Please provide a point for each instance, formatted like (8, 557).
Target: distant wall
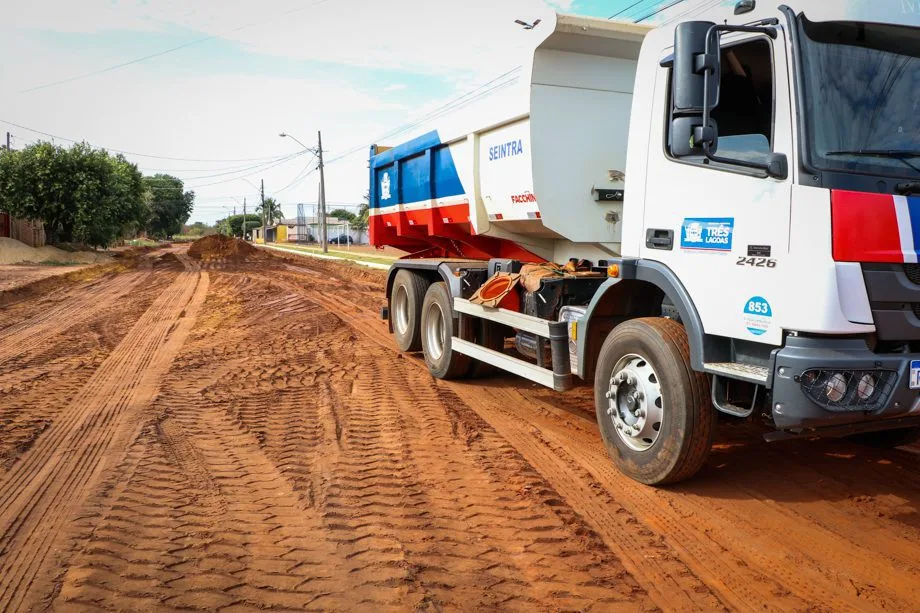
(31, 233)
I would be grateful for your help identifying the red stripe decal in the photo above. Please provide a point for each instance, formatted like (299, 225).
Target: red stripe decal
(865, 228)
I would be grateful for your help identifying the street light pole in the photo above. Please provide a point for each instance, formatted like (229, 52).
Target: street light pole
(323, 230)
(264, 225)
(322, 191)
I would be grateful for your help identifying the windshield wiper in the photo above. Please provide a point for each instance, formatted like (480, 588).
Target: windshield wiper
(894, 154)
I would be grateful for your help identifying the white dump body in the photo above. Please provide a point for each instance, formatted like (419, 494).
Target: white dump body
(532, 155)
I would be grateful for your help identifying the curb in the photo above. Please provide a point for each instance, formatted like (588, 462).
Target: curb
(326, 257)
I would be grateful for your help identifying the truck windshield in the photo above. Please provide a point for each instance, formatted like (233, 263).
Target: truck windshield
(862, 97)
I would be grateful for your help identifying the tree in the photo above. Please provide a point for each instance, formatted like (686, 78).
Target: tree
(343, 215)
(79, 194)
(362, 219)
(272, 211)
(235, 223)
(199, 228)
(170, 206)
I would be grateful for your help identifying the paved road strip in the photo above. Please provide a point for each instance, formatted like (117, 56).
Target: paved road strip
(326, 257)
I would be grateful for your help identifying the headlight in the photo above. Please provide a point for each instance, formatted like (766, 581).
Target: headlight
(836, 387)
(849, 390)
(867, 386)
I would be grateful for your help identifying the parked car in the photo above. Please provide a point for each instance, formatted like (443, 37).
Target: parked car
(341, 239)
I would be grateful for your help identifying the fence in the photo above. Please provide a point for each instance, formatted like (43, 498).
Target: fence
(31, 233)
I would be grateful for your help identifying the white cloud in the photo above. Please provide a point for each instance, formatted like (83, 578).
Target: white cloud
(138, 108)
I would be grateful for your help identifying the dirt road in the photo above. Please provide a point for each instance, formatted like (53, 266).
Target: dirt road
(242, 435)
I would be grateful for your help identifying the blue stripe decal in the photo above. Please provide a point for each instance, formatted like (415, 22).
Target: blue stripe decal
(913, 206)
(418, 170)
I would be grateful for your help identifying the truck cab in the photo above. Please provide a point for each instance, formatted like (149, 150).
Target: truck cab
(750, 250)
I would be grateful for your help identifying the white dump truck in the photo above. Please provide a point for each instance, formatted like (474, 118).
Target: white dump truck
(715, 217)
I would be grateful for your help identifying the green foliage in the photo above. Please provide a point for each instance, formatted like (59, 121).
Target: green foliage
(170, 206)
(234, 224)
(80, 194)
(363, 216)
(197, 229)
(343, 215)
(272, 211)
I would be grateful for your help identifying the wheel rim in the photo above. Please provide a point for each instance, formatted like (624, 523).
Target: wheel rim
(435, 331)
(634, 402)
(401, 309)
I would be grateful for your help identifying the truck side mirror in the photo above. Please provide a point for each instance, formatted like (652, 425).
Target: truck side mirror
(684, 136)
(690, 66)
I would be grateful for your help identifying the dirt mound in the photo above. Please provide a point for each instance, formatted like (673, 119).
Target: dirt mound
(218, 246)
(15, 252)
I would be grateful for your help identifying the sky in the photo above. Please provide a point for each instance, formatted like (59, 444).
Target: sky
(226, 77)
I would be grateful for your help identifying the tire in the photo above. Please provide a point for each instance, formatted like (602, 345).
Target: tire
(490, 335)
(653, 356)
(406, 297)
(438, 327)
(887, 439)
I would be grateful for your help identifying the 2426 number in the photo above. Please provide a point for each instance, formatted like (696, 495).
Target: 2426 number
(757, 262)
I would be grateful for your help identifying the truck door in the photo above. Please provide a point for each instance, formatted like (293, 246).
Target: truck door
(730, 224)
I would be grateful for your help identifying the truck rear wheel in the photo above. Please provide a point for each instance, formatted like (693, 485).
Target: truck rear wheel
(406, 297)
(887, 439)
(654, 411)
(438, 328)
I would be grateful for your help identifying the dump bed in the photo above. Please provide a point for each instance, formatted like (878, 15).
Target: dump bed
(527, 170)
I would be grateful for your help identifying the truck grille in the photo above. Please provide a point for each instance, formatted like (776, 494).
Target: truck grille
(894, 297)
(913, 273)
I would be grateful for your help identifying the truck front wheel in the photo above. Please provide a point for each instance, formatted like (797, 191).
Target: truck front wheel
(653, 410)
(406, 298)
(438, 328)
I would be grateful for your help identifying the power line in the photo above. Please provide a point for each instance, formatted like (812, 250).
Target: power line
(255, 168)
(627, 9)
(143, 155)
(659, 11)
(262, 168)
(695, 8)
(300, 178)
(171, 50)
(460, 101)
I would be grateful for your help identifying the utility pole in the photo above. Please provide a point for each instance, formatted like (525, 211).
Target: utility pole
(244, 218)
(8, 141)
(322, 192)
(264, 225)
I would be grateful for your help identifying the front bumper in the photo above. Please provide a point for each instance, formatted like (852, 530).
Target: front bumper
(794, 391)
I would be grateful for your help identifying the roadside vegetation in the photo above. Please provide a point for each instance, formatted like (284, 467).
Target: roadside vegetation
(87, 196)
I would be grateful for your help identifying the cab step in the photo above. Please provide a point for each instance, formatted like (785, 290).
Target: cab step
(735, 370)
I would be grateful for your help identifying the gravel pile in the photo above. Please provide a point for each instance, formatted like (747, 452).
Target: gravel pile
(15, 252)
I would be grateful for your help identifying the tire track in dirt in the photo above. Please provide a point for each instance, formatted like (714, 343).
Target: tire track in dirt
(220, 526)
(431, 444)
(36, 385)
(389, 497)
(767, 551)
(78, 306)
(38, 494)
(749, 532)
(664, 575)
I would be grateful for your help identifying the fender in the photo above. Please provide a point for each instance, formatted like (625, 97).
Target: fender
(663, 278)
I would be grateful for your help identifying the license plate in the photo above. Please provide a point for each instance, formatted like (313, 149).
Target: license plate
(915, 374)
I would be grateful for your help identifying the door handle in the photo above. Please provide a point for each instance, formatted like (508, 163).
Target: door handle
(656, 238)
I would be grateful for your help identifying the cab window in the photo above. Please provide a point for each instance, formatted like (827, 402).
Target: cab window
(744, 115)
